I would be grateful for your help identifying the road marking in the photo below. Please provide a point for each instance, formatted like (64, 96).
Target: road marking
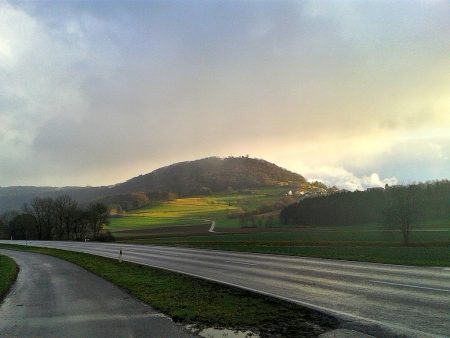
(411, 286)
(446, 269)
(37, 321)
(161, 254)
(237, 262)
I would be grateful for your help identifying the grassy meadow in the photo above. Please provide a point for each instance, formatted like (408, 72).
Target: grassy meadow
(195, 210)
(430, 243)
(325, 236)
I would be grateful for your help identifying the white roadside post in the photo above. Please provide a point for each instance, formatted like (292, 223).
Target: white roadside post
(120, 256)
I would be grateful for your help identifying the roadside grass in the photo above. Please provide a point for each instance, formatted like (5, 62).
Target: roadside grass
(203, 303)
(8, 274)
(195, 210)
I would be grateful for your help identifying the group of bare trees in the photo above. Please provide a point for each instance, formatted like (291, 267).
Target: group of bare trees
(54, 219)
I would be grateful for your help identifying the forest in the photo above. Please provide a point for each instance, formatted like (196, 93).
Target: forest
(389, 205)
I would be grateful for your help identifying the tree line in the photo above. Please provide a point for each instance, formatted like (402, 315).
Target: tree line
(399, 206)
(55, 219)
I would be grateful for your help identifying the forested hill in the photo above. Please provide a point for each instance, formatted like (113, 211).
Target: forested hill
(213, 174)
(198, 177)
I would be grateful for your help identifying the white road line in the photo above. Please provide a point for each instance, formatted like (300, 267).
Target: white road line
(411, 286)
(237, 262)
(37, 321)
(446, 269)
(158, 253)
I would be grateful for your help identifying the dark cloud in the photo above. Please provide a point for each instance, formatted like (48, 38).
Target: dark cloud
(123, 87)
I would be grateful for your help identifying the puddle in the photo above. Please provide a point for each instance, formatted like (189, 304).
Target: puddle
(221, 333)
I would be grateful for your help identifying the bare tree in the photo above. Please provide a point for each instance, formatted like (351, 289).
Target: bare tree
(3, 230)
(403, 208)
(65, 210)
(6, 219)
(97, 214)
(23, 226)
(81, 224)
(41, 209)
(59, 208)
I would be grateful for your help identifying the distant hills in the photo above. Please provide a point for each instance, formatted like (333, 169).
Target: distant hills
(199, 177)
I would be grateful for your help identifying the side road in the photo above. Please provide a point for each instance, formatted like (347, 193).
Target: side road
(55, 298)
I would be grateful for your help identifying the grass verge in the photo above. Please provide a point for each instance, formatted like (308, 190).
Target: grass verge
(8, 274)
(203, 303)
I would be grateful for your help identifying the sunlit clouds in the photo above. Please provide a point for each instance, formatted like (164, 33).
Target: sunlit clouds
(352, 93)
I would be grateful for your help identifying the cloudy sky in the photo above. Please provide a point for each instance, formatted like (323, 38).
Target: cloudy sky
(355, 93)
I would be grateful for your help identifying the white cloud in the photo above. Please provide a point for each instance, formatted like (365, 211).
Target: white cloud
(36, 77)
(344, 179)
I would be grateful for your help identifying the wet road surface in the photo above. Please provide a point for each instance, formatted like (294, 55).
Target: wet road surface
(386, 299)
(55, 298)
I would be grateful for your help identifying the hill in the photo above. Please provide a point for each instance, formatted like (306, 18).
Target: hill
(212, 174)
(199, 177)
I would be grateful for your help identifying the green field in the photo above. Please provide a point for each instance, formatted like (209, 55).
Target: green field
(200, 302)
(430, 240)
(8, 274)
(322, 237)
(430, 243)
(195, 210)
(183, 211)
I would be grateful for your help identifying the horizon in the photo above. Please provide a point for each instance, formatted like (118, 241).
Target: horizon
(351, 94)
(368, 186)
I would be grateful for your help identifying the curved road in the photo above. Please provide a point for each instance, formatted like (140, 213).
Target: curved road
(379, 299)
(55, 298)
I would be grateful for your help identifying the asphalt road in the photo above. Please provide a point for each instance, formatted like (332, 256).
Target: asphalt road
(55, 298)
(379, 299)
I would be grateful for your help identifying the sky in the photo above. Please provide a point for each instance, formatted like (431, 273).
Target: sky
(352, 93)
